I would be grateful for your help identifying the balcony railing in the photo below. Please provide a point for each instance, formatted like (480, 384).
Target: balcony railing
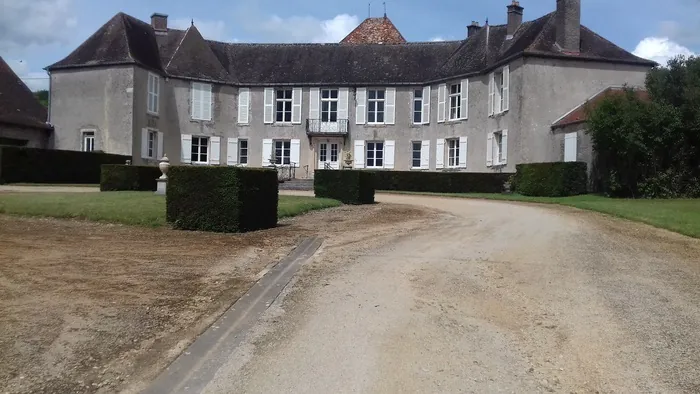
(316, 126)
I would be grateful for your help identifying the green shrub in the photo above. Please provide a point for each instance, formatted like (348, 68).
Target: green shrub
(441, 182)
(116, 177)
(221, 199)
(558, 179)
(348, 186)
(32, 165)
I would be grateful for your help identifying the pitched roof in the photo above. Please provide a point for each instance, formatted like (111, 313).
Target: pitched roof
(122, 40)
(193, 58)
(580, 115)
(375, 31)
(18, 106)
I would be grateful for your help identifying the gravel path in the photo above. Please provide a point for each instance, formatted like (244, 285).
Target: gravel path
(486, 297)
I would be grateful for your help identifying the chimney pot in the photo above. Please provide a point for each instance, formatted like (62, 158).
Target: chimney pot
(515, 18)
(159, 22)
(473, 28)
(568, 21)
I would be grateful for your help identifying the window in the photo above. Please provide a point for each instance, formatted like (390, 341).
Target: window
(151, 149)
(200, 150)
(153, 93)
(570, 140)
(334, 152)
(375, 154)
(283, 100)
(415, 156)
(329, 105)
(498, 99)
(498, 147)
(455, 101)
(242, 151)
(418, 106)
(453, 153)
(283, 152)
(88, 141)
(375, 105)
(201, 101)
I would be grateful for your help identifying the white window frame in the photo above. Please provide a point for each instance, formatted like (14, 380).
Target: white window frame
(85, 137)
(153, 100)
(286, 147)
(499, 91)
(198, 143)
(374, 151)
(497, 147)
(452, 153)
(376, 100)
(152, 144)
(417, 101)
(286, 105)
(330, 100)
(415, 144)
(202, 89)
(243, 152)
(455, 98)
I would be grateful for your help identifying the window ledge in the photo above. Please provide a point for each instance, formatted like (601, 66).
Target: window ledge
(283, 124)
(377, 125)
(154, 114)
(201, 120)
(499, 114)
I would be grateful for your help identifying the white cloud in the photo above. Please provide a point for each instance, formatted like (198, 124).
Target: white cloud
(660, 49)
(211, 30)
(436, 39)
(34, 80)
(26, 23)
(305, 28)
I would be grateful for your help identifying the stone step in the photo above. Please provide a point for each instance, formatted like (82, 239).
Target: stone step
(297, 184)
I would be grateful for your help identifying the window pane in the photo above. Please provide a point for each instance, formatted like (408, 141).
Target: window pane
(334, 106)
(334, 93)
(287, 116)
(325, 93)
(372, 94)
(417, 106)
(380, 106)
(372, 106)
(380, 117)
(417, 117)
(324, 116)
(418, 93)
(380, 94)
(324, 106)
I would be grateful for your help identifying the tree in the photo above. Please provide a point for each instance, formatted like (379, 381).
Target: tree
(43, 97)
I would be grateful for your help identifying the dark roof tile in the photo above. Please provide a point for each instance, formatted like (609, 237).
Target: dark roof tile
(375, 31)
(18, 106)
(579, 114)
(193, 58)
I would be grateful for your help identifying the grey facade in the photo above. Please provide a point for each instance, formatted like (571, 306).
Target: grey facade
(113, 99)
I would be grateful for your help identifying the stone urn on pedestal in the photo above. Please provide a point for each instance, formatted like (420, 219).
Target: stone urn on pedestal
(164, 165)
(347, 163)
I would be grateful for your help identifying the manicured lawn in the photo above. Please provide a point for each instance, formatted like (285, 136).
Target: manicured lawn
(681, 215)
(133, 208)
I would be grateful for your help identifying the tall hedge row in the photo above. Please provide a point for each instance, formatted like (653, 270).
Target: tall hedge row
(33, 165)
(117, 177)
(558, 179)
(221, 199)
(441, 182)
(349, 186)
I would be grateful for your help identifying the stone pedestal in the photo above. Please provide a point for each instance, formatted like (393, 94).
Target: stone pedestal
(162, 184)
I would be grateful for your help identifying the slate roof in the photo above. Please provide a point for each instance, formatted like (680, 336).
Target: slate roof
(579, 115)
(375, 31)
(185, 54)
(18, 106)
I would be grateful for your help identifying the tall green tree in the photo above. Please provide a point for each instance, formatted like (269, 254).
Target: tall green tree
(43, 97)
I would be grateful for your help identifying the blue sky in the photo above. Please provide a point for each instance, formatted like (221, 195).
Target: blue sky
(36, 33)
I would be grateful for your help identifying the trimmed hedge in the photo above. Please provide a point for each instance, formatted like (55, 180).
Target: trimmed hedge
(558, 179)
(221, 199)
(441, 182)
(117, 177)
(348, 186)
(33, 165)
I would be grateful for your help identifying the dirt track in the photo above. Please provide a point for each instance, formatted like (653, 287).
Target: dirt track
(488, 297)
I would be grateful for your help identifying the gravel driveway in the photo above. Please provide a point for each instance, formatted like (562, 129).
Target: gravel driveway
(484, 297)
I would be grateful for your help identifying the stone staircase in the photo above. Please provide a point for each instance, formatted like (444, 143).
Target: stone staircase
(297, 184)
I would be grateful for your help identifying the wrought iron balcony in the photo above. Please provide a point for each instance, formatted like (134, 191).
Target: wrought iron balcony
(318, 127)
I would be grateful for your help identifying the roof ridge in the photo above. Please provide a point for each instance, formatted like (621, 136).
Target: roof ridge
(177, 48)
(122, 17)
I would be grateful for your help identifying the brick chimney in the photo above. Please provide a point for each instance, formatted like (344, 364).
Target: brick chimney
(515, 17)
(473, 28)
(159, 22)
(568, 19)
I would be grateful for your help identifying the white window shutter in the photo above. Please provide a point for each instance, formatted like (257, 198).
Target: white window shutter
(144, 143)
(570, 148)
(196, 100)
(506, 88)
(464, 96)
(359, 154)
(186, 148)
(426, 105)
(442, 97)
(462, 152)
(296, 105)
(389, 148)
(343, 94)
(361, 107)
(232, 151)
(489, 150)
(425, 155)
(504, 147)
(243, 105)
(266, 152)
(206, 101)
(390, 109)
(295, 152)
(492, 93)
(440, 153)
(159, 154)
(314, 97)
(215, 150)
(269, 110)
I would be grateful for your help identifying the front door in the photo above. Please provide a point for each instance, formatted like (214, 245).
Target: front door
(328, 156)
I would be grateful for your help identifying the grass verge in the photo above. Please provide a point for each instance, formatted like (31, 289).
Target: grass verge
(679, 215)
(132, 208)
